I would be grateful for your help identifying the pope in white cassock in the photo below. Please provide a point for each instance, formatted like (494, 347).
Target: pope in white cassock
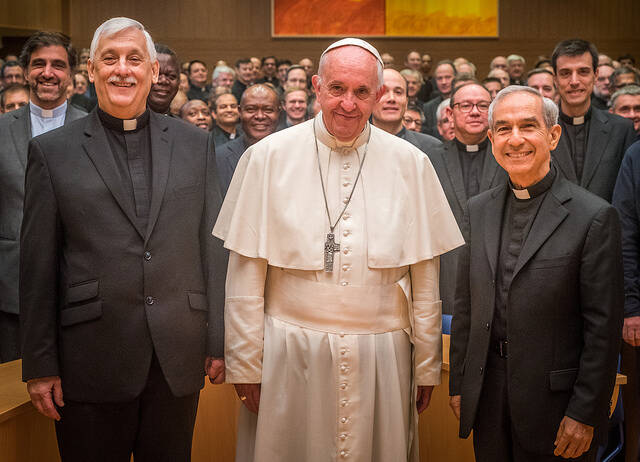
(332, 315)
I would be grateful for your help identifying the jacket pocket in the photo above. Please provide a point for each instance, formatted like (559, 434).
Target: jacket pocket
(550, 262)
(82, 313)
(82, 291)
(562, 380)
(198, 301)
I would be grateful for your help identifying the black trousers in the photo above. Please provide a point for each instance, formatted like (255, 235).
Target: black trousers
(493, 439)
(156, 426)
(9, 337)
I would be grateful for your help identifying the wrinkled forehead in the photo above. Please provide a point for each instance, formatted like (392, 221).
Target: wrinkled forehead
(343, 59)
(518, 105)
(131, 37)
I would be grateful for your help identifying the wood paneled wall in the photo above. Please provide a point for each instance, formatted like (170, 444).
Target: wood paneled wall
(222, 29)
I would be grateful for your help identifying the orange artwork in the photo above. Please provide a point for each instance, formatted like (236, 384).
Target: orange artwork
(328, 17)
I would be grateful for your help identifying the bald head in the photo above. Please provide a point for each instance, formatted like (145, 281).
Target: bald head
(261, 91)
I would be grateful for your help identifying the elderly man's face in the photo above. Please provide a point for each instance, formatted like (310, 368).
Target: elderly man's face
(521, 141)
(446, 128)
(295, 105)
(259, 113)
(543, 82)
(516, 68)
(502, 75)
(414, 61)
(224, 79)
(469, 112)
(575, 79)
(393, 103)
(603, 73)
(297, 79)
(628, 106)
(226, 112)
(123, 73)
(13, 74)
(412, 120)
(165, 89)
(49, 75)
(15, 100)
(499, 62)
(347, 91)
(413, 84)
(197, 112)
(444, 77)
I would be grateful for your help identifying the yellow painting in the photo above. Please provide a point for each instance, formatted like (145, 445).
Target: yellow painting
(441, 18)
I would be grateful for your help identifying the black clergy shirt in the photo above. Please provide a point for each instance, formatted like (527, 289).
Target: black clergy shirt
(516, 223)
(576, 129)
(472, 162)
(130, 143)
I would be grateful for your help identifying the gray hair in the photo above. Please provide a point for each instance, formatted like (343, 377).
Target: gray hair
(222, 70)
(413, 73)
(631, 89)
(113, 26)
(515, 58)
(549, 108)
(323, 62)
(440, 109)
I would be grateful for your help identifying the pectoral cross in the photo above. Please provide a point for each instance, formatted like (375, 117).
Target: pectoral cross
(330, 247)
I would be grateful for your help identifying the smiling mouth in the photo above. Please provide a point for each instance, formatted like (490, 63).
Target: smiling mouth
(519, 154)
(122, 84)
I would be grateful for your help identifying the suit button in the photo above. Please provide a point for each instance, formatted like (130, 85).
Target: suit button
(147, 255)
(481, 370)
(149, 300)
(487, 326)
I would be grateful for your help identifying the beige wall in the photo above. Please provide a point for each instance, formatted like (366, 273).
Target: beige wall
(222, 29)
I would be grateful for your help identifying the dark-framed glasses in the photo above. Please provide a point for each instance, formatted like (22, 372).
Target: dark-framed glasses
(483, 106)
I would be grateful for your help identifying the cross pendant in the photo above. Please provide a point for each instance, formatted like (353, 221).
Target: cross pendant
(330, 247)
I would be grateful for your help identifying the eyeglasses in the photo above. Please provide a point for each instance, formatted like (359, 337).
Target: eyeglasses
(482, 106)
(409, 121)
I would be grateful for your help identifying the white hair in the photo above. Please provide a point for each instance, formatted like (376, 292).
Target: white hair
(323, 62)
(113, 26)
(549, 108)
(511, 58)
(440, 110)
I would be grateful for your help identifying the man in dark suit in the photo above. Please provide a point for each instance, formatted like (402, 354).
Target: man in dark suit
(465, 168)
(538, 314)
(388, 113)
(593, 141)
(48, 58)
(121, 290)
(259, 111)
(443, 75)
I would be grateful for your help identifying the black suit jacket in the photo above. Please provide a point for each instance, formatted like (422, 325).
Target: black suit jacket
(446, 162)
(227, 158)
(609, 137)
(98, 294)
(426, 143)
(430, 124)
(15, 133)
(564, 313)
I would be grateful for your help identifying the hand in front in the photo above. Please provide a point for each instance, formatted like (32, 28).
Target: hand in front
(424, 397)
(44, 391)
(249, 394)
(454, 404)
(631, 330)
(573, 439)
(214, 368)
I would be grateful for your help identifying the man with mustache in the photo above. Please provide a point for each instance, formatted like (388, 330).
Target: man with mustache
(48, 59)
(121, 281)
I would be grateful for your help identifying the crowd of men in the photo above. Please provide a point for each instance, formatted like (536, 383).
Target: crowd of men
(108, 262)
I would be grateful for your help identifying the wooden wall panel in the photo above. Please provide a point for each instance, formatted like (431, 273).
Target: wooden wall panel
(22, 16)
(218, 29)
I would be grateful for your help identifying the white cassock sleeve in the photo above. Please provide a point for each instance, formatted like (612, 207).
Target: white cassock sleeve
(427, 319)
(244, 318)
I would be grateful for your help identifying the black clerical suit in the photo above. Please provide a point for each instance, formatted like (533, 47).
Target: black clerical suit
(430, 124)
(447, 161)
(121, 291)
(227, 158)
(426, 143)
(537, 319)
(15, 133)
(590, 151)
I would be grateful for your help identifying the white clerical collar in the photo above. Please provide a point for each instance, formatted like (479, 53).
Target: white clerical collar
(578, 120)
(329, 140)
(472, 147)
(47, 113)
(521, 193)
(129, 125)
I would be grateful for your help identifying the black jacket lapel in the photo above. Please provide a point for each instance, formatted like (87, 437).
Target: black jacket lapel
(493, 225)
(454, 170)
(561, 156)
(21, 133)
(596, 146)
(97, 147)
(160, 159)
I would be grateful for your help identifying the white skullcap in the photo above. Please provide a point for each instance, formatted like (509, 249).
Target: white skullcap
(355, 42)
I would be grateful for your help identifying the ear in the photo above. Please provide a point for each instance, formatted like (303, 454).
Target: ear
(554, 136)
(490, 136)
(155, 71)
(90, 70)
(448, 112)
